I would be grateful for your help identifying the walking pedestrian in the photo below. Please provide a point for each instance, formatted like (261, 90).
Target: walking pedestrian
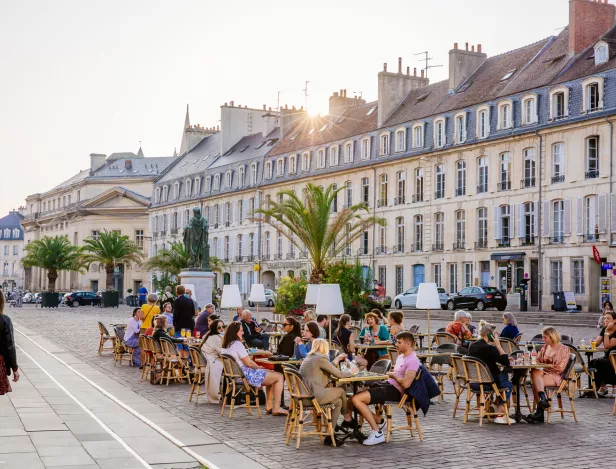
(8, 357)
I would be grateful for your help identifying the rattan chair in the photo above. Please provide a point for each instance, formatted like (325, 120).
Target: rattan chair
(173, 365)
(337, 347)
(581, 368)
(381, 366)
(156, 354)
(460, 381)
(305, 404)
(414, 329)
(147, 356)
(566, 339)
(509, 346)
(105, 337)
(441, 338)
(199, 363)
(537, 339)
(613, 362)
(393, 354)
(436, 364)
(290, 415)
(566, 385)
(236, 383)
(518, 338)
(411, 415)
(477, 373)
(355, 330)
(120, 348)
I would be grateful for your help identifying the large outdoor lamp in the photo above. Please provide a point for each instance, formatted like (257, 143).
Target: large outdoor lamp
(427, 298)
(231, 298)
(329, 303)
(312, 294)
(257, 295)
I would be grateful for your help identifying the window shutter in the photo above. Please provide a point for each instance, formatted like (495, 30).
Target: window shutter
(579, 215)
(521, 225)
(246, 246)
(231, 212)
(536, 213)
(545, 229)
(602, 213)
(245, 208)
(512, 220)
(244, 282)
(497, 231)
(237, 211)
(567, 217)
(613, 213)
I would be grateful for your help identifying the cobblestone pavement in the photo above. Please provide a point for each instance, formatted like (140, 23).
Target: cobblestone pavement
(447, 442)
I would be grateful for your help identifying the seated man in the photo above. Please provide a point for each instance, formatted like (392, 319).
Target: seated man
(253, 335)
(202, 325)
(239, 312)
(401, 378)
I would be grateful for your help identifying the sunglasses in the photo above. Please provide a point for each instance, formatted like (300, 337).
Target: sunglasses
(285, 324)
(220, 328)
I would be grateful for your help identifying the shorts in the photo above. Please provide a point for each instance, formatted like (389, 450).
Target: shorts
(384, 393)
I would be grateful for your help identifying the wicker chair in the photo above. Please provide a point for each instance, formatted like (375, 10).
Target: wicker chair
(441, 338)
(478, 373)
(613, 362)
(414, 329)
(518, 338)
(581, 368)
(199, 365)
(355, 330)
(290, 416)
(337, 347)
(537, 339)
(173, 365)
(566, 339)
(393, 354)
(305, 404)
(236, 383)
(105, 337)
(381, 366)
(566, 385)
(411, 415)
(120, 349)
(460, 381)
(436, 369)
(509, 346)
(146, 365)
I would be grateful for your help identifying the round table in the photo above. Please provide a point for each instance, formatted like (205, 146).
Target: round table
(519, 374)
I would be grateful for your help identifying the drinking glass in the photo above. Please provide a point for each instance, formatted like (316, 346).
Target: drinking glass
(183, 332)
(593, 344)
(197, 334)
(188, 333)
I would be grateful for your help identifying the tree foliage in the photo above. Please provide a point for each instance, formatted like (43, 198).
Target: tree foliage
(53, 254)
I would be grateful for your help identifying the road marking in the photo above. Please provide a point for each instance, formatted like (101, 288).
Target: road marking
(126, 407)
(88, 411)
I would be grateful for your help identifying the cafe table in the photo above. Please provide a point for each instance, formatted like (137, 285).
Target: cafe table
(590, 351)
(423, 355)
(267, 361)
(274, 339)
(520, 371)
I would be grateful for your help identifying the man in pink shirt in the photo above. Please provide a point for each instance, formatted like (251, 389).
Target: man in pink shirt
(399, 380)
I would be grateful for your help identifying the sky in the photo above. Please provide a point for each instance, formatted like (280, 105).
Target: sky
(104, 76)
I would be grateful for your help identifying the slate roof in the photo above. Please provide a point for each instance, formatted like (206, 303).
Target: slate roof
(140, 167)
(76, 178)
(12, 221)
(195, 161)
(247, 149)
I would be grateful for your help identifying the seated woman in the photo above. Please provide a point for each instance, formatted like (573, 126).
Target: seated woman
(556, 354)
(316, 370)
(292, 331)
(150, 311)
(374, 334)
(212, 349)
(510, 331)
(311, 333)
(346, 339)
(458, 327)
(131, 335)
(605, 371)
(607, 307)
(488, 349)
(310, 315)
(394, 319)
(255, 375)
(160, 330)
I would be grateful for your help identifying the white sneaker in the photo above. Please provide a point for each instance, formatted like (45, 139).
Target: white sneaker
(502, 420)
(375, 438)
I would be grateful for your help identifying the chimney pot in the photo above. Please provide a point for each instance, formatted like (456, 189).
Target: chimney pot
(270, 108)
(479, 48)
(399, 64)
(467, 46)
(341, 92)
(345, 92)
(231, 103)
(472, 48)
(455, 45)
(286, 106)
(301, 108)
(385, 67)
(422, 74)
(293, 108)
(225, 104)
(128, 164)
(335, 93)
(408, 70)
(264, 107)
(415, 71)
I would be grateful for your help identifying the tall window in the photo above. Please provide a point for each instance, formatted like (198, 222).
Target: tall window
(400, 234)
(453, 278)
(460, 229)
(504, 182)
(504, 116)
(333, 156)
(268, 170)
(216, 216)
(240, 246)
(253, 174)
(558, 162)
(418, 132)
(529, 168)
(267, 245)
(382, 190)
(419, 185)
(460, 128)
(400, 187)
(577, 276)
(482, 174)
(348, 152)
(364, 243)
(601, 53)
(529, 114)
(468, 274)
(558, 220)
(439, 133)
(440, 181)
(335, 199)
(439, 231)
(321, 159)
(384, 149)
(418, 245)
(306, 162)
(365, 149)
(592, 97)
(505, 224)
(483, 123)
(138, 239)
(399, 279)
(591, 218)
(592, 157)
(280, 168)
(227, 248)
(382, 247)
(251, 244)
(400, 140)
(460, 177)
(529, 222)
(557, 276)
(348, 194)
(347, 239)
(240, 211)
(482, 227)
(279, 244)
(251, 207)
(365, 191)
(559, 106)
(437, 275)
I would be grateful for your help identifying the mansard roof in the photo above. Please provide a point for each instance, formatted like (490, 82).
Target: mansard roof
(252, 147)
(140, 167)
(195, 161)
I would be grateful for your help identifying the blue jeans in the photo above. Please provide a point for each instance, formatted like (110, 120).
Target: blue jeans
(133, 342)
(262, 342)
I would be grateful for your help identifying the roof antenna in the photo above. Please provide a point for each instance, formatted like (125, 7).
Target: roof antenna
(305, 90)
(427, 60)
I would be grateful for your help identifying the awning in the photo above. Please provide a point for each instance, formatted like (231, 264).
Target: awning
(507, 256)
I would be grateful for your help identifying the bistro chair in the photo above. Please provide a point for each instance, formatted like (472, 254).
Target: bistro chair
(581, 368)
(305, 404)
(477, 373)
(566, 339)
(236, 384)
(381, 366)
(156, 354)
(199, 367)
(355, 330)
(566, 385)
(460, 382)
(393, 354)
(537, 339)
(289, 419)
(173, 365)
(337, 347)
(414, 329)
(147, 356)
(436, 365)
(411, 414)
(105, 337)
(518, 338)
(613, 362)
(508, 345)
(441, 338)
(441, 329)
(120, 349)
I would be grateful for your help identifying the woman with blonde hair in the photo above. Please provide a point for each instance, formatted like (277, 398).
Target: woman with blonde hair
(8, 357)
(557, 355)
(316, 370)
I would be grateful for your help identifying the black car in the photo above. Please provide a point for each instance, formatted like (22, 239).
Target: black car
(478, 298)
(82, 298)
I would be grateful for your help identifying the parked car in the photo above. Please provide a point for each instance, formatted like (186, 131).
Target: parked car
(29, 298)
(270, 298)
(408, 299)
(82, 298)
(478, 298)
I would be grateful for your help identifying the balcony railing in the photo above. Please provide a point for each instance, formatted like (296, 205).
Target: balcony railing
(481, 244)
(266, 257)
(460, 191)
(591, 238)
(215, 225)
(417, 247)
(481, 188)
(227, 224)
(290, 255)
(557, 239)
(439, 194)
(504, 243)
(399, 200)
(362, 252)
(592, 174)
(504, 186)
(399, 248)
(527, 182)
(174, 231)
(227, 260)
(380, 250)
(527, 241)
(381, 203)
(251, 258)
(303, 254)
(459, 246)
(557, 179)
(162, 233)
(278, 256)
(437, 247)
(417, 198)
(239, 258)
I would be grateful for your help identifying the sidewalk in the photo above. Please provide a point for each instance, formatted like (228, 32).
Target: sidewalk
(42, 426)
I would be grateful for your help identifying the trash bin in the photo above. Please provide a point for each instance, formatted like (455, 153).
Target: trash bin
(524, 295)
(559, 301)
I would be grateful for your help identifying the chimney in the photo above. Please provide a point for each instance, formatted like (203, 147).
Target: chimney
(288, 117)
(463, 63)
(128, 164)
(588, 21)
(339, 102)
(97, 160)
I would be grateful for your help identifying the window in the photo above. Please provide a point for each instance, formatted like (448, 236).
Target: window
(559, 103)
(347, 239)
(558, 162)
(529, 168)
(6, 250)
(364, 243)
(439, 231)
(439, 133)
(591, 218)
(320, 159)
(504, 183)
(505, 115)
(557, 276)
(268, 170)
(240, 211)
(174, 221)
(460, 177)
(529, 110)
(400, 188)
(384, 144)
(468, 274)
(280, 167)
(365, 191)
(437, 275)
(483, 122)
(453, 278)
(577, 276)
(418, 133)
(292, 164)
(164, 223)
(505, 224)
(382, 247)
(399, 279)
(208, 184)
(399, 235)
(176, 190)
(440, 181)
(241, 174)
(157, 195)
(348, 194)
(482, 174)
(335, 199)
(216, 216)
(206, 214)
(15, 250)
(227, 248)
(418, 228)
(383, 275)
(251, 244)
(382, 202)
(601, 53)
(482, 227)
(460, 230)
(528, 225)
(251, 207)
(253, 174)
(217, 182)
(592, 97)
(365, 149)
(592, 157)
(240, 243)
(333, 156)
(460, 130)
(267, 245)
(187, 188)
(348, 152)
(279, 244)
(306, 162)
(419, 185)
(400, 140)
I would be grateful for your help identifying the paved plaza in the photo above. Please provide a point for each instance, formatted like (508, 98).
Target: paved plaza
(42, 425)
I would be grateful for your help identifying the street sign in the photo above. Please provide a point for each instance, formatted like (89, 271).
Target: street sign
(606, 266)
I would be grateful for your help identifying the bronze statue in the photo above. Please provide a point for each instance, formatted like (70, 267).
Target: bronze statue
(196, 241)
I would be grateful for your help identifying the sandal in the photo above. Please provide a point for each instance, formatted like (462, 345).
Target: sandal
(280, 413)
(268, 411)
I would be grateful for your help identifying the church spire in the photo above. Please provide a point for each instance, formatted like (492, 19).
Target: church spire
(140, 152)
(187, 120)
(175, 151)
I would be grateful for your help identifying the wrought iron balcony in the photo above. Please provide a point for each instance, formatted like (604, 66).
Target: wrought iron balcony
(278, 256)
(417, 247)
(527, 241)
(266, 257)
(504, 243)
(439, 194)
(227, 224)
(460, 191)
(557, 239)
(303, 254)
(592, 174)
(527, 182)
(418, 198)
(251, 258)
(398, 248)
(238, 258)
(362, 252)
(504, 186)
(481, 244)
(380, 250)
(591, 237)
(290, 255)
(227, 260)
(481, 188)
(174, 231)
(381, 203)
(556, 179)
(459, 246)
(399, 200)
(437, 247)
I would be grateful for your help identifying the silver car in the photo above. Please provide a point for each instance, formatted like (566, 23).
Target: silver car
(270, 298)
(408, 299)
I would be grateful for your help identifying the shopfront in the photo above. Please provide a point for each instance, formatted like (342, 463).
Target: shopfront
(509, 270)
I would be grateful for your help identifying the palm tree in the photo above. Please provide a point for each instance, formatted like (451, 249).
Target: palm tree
(173, 259)
(54, 255)
(110, 248)
(313, 227)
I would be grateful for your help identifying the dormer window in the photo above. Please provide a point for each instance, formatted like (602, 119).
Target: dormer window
(208, 184)
(197, 186)
(217, 182)
(505, 119)
(460, 130)
(384, 144)
(187, 187)
(400, 140)
(292, 164)
(253, 174)
(593, 94)
(529, 109)
(559, 103)
(229, 178)
(241, 171)
(320, 159)
(306, 162)
(333, 155)
(483, 122)
(280, 167)
(348, 152)
(418, 135)
(365, 148)
(268, 170)
(602, 54)
(157, 195)
(439, 133)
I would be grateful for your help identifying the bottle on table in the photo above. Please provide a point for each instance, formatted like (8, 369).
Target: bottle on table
(582, 344)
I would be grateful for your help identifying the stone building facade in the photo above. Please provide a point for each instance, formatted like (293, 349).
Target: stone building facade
(11, 252)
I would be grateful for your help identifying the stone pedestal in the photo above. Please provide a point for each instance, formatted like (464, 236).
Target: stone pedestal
(201, 283)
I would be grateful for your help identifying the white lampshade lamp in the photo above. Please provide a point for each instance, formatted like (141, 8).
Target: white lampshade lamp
(231, 298)
(329, 303)
(257, 295)
(312, 294)
(427, 298)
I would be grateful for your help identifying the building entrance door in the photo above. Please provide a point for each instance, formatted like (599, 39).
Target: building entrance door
(534, 283)
(418, 274)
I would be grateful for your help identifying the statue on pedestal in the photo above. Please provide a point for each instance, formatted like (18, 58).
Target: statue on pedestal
(196, 242)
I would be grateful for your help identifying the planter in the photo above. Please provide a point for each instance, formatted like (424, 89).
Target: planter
(49, 300)
(111, 299)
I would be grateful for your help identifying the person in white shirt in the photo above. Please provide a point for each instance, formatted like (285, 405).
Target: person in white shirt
(131, 335)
